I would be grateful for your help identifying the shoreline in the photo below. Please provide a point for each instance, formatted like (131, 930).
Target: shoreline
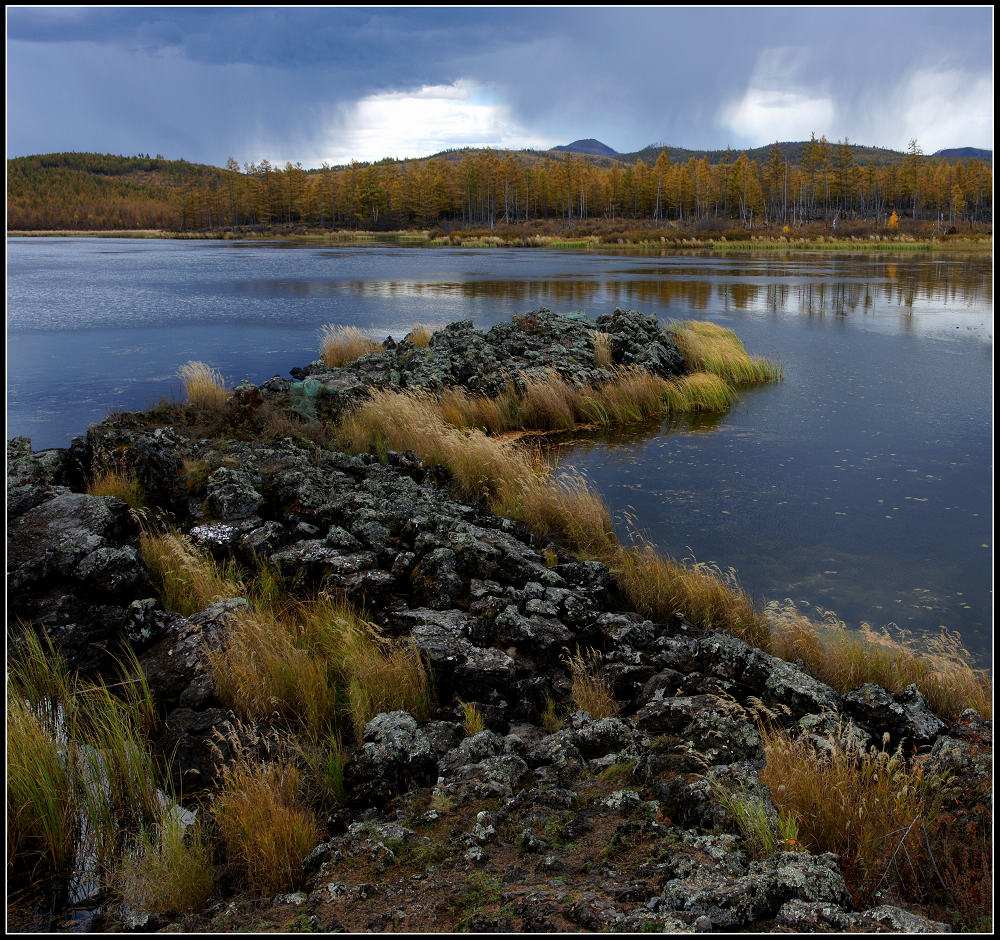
(774, 242)
(560, 775)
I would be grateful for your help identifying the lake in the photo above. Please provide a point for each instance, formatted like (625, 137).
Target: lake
(863, 483)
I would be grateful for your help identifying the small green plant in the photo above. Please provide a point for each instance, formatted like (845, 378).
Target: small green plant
(761, 835)
(551, 718)
(472, 719)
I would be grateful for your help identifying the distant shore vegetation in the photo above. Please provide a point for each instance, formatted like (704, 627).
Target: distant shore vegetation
(792, 193)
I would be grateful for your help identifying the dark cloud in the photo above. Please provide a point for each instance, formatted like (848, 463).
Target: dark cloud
(206, 82)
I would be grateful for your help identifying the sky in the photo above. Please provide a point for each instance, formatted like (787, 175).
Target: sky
(335, 84)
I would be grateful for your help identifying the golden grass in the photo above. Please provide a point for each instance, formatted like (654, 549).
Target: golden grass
(265, 826)
(420, 335)
(203, 385)
(602, 350)
(114, 481)
(845, 659)
(708, 347)
(80, 775)
(309, 661)
(169, 869)
(865, 805)
(657, 587)
(516, 482)
(589, 687)
(188, 579)
(340, 345)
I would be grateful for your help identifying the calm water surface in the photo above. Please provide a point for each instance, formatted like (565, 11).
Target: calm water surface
(863, 483)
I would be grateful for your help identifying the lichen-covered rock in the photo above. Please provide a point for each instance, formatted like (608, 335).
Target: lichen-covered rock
(903, 718)
(395, 756)
(769, 884)
(231, 494)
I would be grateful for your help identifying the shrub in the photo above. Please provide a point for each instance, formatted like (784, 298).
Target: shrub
(203, 385)
(340, 345)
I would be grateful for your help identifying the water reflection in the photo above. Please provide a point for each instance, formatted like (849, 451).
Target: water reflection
(832, 288)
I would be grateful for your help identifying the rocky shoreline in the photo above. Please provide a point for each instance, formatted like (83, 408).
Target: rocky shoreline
(602, 824)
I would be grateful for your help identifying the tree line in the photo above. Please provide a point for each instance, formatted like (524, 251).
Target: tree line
(485, 188)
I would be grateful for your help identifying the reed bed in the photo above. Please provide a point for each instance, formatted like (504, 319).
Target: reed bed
(203, 385)
(708, 347)
(340, 345)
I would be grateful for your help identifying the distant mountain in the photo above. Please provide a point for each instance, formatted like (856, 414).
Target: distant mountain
(589, 146)
(965, 153)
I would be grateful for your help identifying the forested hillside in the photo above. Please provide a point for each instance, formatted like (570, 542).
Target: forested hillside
(782, 185)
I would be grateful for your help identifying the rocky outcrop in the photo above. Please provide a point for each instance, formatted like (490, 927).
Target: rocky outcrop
(601, 823)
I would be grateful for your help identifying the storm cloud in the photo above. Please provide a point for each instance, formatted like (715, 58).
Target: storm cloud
(334, 84)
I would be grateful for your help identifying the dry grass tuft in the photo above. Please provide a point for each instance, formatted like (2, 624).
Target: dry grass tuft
(865, 805)
(845, 659)
(708, 347)
(589, 686)
(603, 358)
(657, 587)
(266, 828)
(111, 480)
(188, 579)
(340, 345)
(420, 335)
(170, 870)
(308, 661)
(203, 385)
